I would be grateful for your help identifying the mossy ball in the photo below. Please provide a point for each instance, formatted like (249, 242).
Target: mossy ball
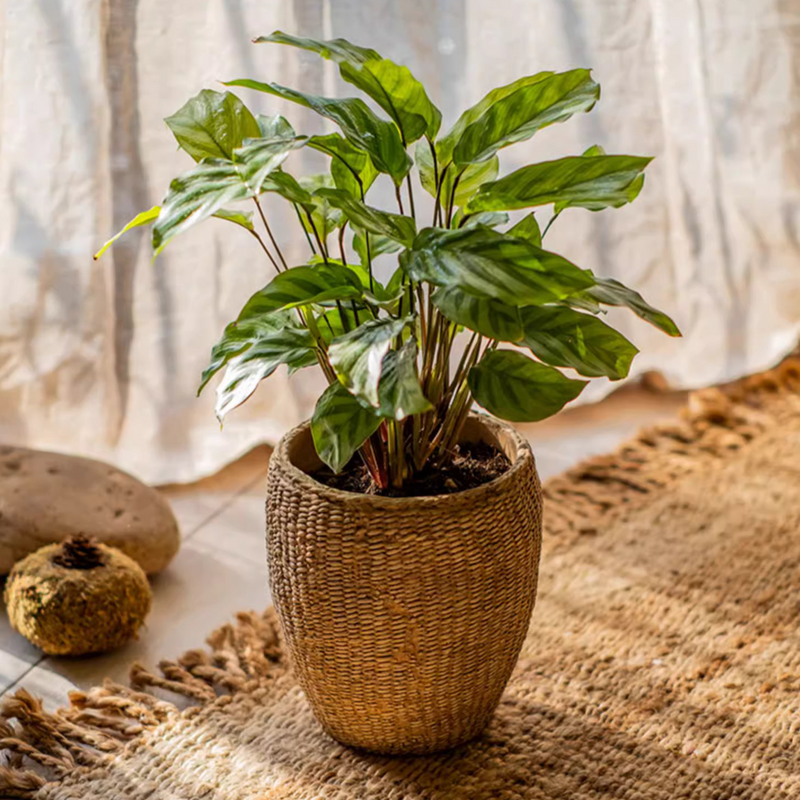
(77, 597)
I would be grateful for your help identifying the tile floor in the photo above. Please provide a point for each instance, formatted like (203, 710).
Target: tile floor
(221, 570)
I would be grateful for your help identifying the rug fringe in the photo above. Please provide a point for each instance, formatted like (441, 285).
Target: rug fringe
(39, 747)
(715, 421)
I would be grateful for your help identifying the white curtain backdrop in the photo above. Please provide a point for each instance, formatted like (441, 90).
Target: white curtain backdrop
(103, 358)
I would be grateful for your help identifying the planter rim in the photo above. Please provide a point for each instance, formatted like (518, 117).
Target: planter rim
(310, 484)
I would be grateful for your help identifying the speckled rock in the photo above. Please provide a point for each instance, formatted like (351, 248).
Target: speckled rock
(47, 497)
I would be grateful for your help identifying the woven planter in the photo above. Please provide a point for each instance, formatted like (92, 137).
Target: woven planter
(404, 617)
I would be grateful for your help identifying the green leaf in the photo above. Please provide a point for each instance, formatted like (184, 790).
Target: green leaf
(374, 292)
(490, 318)
(593, 182)
(594, 150)
(527, 228)
(301, 286)
(390, 85)
(241, 218)
(359, 124)
(273, 126)
(239, 336)
(352, 169)
(357, 355)
(399, 392)
(142, 218)
(244, 219)
(470, 180)
(516, 388)
(336, 322)
(213, 125)
(213, 183)
(487, 219)
(566, 338)
(394, 226)
(582, 302)
(338, 50)
(446, 145)
(611, 292)
(489, 264)
(378, 245)
(518, 115)
(326, 217)
(292, 346)
(286, 186)
(340, 425)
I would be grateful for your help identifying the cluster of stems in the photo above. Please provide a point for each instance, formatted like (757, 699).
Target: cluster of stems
(399, 449)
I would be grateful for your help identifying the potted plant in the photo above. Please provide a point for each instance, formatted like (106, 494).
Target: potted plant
(404, 530)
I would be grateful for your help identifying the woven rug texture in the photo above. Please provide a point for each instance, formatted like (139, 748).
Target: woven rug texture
(662, 662)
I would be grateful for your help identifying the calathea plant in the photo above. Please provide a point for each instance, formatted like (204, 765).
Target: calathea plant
(396, 394)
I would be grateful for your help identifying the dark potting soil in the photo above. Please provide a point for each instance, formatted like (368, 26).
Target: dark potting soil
(473, 465)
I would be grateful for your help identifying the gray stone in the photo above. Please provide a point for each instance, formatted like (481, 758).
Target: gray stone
(47, 497)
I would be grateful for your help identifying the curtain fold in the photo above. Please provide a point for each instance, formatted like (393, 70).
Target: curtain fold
(103, 358)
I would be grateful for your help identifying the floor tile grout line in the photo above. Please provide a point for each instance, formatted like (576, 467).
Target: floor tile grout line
(30, 669)
(225, 505)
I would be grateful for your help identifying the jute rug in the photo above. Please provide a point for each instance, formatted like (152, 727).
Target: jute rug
(663, 659)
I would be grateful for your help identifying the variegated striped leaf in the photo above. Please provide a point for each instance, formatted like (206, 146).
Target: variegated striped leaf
(519, 115)
(566, 338)
(390, 85)
(394, 226)
(292, 346)
(399, 390)
(358, 122)
(213, 183)
(490, 264)
(491, 318)
(340, 425)
(239, 336)
(611, 292)
(593, 182)
(357, 356)
(487, 219)
(300, 286)
(514, 387)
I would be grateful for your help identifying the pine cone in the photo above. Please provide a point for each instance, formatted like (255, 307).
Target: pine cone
(79, 552)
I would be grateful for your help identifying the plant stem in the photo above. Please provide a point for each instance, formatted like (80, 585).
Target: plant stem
(432, 147)
(437, 207)
(341, 244)
(305, 230)
(451, 204)
(322, 249)
(399, 199)
(411, 197)
(366, 240)
(547, 227)
(264, 248)
(269, 233)
(322, 350)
